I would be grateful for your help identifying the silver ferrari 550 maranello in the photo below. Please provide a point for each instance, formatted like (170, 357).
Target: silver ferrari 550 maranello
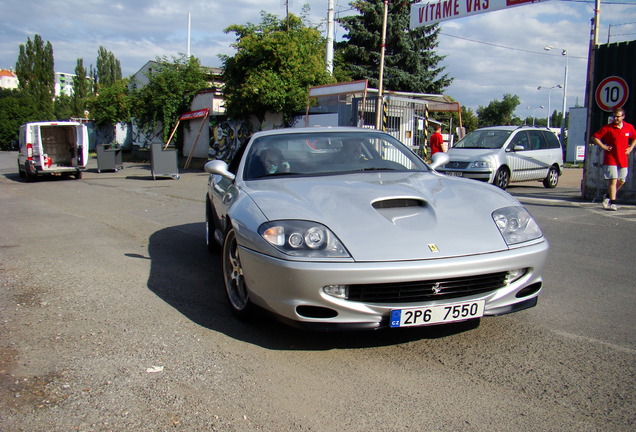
(341, 228)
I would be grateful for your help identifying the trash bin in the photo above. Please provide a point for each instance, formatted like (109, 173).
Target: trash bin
(163, 162)
(109, 158)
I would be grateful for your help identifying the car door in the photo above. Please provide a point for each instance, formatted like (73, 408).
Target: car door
(526, 153)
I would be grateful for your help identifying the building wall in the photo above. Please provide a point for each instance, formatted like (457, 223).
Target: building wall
(8, 79)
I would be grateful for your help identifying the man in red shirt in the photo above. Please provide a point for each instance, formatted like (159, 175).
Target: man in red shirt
(617, 139)
(437, 140)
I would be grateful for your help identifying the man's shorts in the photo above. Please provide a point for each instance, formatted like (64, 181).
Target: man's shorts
(614, 172)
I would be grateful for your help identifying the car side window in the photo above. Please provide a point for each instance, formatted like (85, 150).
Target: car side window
(552, 140)
(537, 141)
(520, 139)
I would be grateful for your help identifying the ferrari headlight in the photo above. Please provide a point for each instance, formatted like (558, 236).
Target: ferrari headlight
(516, 225)
(303, 238)
(480, 164)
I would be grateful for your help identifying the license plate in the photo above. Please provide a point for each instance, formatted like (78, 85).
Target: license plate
(454, 174)
(437, 314)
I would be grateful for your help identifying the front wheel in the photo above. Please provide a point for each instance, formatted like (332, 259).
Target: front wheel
(235, 286)
(502, 178)
(552, 179)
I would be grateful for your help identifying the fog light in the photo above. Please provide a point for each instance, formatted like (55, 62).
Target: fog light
(338, 291)
(514, 275)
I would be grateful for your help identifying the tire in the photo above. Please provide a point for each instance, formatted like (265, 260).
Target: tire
(28, 174)
(235, 286)
(210, 228)
(502, 178)
(552, 179)
(21, 173)
(78, 175)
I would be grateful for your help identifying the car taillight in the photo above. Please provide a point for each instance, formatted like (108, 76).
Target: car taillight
(29, 151)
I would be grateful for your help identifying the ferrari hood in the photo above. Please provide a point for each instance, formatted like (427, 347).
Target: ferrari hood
(391, 216)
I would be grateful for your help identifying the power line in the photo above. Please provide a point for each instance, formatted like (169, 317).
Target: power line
(503, 46)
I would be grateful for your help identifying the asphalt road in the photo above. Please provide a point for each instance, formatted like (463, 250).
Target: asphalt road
(113, 317)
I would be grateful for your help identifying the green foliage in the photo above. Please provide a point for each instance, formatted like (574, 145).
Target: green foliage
(169, 92)
(16, 108)
(499, 113)
(108, 68)
(469, 119)
(63, 107)
(36, 75)
(112, 105)
(276, 61)
(410, 62)
(81, 89)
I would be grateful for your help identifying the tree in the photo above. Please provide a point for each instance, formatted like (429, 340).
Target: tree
(499, 113)
(36, 75)
(169, 92)
(112, 105)
(410, 62)
(108, 67)
(273, 67)
(469, 119)
(81, 89)
(16, 108)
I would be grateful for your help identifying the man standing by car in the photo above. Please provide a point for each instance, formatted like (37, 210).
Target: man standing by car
(617, 139)
(436, 140)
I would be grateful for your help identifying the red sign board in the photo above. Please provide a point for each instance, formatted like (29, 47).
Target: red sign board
(195, 114)
(611, 93)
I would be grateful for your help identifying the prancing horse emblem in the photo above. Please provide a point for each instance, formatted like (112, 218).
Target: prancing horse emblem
(436, 288)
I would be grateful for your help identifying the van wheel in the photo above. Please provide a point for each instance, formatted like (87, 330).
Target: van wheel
(21, 173)
(502, 178)
(78, 175)
(552, 179)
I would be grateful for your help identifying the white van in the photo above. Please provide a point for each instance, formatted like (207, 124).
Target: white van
(52, 148)
(505, 154)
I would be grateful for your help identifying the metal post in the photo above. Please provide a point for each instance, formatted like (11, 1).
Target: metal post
(381, 78)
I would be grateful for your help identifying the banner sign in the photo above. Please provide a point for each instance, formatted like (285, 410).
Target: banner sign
(433, 11)
(195, 114)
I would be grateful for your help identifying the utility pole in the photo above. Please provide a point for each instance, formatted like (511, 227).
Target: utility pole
(330, 27)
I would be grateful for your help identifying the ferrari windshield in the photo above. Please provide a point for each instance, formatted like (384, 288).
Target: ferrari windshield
(484, 139)
(326, 153)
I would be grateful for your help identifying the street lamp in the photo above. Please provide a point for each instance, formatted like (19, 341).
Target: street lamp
(564, 52)
(534, 110)
(549, 90)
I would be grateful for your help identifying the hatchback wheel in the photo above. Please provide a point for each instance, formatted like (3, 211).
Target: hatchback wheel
(235, 285)
(552, 179)
(502, 178)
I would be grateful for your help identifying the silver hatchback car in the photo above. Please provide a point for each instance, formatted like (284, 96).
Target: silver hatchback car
(504, 154)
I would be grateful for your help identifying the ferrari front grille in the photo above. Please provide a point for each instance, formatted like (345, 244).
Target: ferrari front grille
(418, 291)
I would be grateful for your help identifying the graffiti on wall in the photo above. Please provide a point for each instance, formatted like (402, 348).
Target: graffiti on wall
(226, 137)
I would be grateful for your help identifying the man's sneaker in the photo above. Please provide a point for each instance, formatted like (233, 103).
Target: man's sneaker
(613, 207)
(606, 202)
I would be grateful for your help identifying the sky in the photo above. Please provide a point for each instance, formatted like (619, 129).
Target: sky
(488, 55)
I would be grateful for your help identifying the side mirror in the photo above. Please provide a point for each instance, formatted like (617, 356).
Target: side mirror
(439, 159)
(220, 168)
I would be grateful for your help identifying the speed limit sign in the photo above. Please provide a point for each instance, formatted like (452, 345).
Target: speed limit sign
(611, 93)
